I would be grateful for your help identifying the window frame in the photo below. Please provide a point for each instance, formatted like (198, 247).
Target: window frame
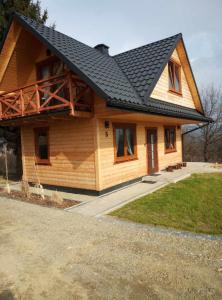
(126, 157)
(177, 64)
(49, 61)
(38, 160)
(174, 149)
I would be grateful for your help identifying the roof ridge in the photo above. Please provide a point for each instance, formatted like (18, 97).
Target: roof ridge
(161, 40)
(41, 24)
(27, 19)
(69, 36)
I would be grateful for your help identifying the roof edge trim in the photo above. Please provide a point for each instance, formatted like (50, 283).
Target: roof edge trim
(155, 111)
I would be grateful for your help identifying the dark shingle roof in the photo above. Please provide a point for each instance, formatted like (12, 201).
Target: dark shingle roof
(101, 70)
(125, 80)
(144, 65)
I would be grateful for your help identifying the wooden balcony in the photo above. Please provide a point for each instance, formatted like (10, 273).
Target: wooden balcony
(58, 93)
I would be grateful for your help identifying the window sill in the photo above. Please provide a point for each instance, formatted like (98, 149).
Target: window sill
(176, 93)
(43, 163)
(125, 160)
(170, 151)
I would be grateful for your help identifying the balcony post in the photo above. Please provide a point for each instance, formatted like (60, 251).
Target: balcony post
(22, 103)
(71, 95)
(37, 99)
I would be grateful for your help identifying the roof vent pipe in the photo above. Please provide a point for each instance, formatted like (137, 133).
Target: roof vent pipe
(102, 48)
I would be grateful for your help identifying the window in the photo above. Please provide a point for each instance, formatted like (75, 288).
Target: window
(170, 139)
(42, 145)
(174, 70)
(49, 68)
(124, 142)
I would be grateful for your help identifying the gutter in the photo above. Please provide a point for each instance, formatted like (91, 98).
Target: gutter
(197, 128)
(156, 111)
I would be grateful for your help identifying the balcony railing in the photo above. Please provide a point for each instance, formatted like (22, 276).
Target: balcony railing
(54, 93)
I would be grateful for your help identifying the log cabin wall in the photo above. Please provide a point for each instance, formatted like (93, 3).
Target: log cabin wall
(72, 157)
(81, 155)
(20, 71)
(161, 90)
(111, 173)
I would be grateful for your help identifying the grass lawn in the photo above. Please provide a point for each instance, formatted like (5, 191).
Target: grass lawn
(194, 204)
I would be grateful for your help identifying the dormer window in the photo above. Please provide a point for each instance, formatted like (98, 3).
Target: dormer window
(174, 70)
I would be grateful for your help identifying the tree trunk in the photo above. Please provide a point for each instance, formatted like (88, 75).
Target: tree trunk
(205, 152)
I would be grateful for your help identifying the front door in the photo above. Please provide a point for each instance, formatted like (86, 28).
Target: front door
(152, 150)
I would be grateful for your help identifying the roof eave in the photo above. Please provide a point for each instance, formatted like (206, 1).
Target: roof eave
(154, 111)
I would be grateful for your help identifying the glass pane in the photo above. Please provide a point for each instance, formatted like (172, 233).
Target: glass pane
(171, 76)
(172, 138)
(177, 78)
(43, 145)
(57, 68)
(44, 72)
(130, 141)
(167, 138)
(119, 142)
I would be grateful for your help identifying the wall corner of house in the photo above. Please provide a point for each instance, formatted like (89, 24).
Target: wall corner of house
(98, 182)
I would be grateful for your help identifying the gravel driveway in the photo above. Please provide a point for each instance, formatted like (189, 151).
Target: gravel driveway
(47, 253)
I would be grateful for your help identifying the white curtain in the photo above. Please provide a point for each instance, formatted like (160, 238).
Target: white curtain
(119, 135)
(129, 141)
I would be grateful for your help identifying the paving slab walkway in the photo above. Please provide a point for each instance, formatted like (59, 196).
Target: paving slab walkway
(100, 205)
(104, 204)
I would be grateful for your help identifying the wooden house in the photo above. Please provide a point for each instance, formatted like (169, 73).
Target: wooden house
(91, 122)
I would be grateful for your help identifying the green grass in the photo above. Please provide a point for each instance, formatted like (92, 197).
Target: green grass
(194, 204)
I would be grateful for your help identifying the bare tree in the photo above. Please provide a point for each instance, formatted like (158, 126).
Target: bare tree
(205, 144)
(192, 150)
(211, 135)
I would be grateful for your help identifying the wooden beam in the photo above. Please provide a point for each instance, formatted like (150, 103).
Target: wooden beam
(72, 94)
(97, 153)
(189, 76)
(24, 173)
(9, 47)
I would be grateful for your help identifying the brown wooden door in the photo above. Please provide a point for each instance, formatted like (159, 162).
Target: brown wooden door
(152, 153)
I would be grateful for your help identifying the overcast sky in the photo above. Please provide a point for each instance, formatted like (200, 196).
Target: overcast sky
(123, 25)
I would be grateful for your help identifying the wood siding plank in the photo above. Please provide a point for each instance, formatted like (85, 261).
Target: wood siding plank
(72, 155)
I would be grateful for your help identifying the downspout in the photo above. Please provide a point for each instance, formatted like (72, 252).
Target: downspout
(189, 131)
(197, 128)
